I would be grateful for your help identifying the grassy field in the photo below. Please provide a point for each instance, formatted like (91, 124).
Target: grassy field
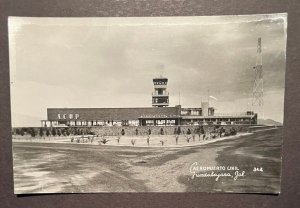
(69, 167)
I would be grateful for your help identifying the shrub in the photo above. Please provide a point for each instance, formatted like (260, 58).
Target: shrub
(123, 132)
(104, 140)
(58, 132)
(91, 133)
(48, 132)
(233, 131)
(162, 142)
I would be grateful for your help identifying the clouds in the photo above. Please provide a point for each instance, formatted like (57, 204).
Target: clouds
(113, 63)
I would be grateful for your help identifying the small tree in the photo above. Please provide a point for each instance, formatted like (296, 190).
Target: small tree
(176, 138)
(67, 132)
(41, 132)
(188, 138)
(123, 132)
(32, 132)
(188, 132)
(22, 132)
(58, 132)
(149, 132)
(162, 131)
(118, 139)
(148, 140)
(136, 132)
(178, 130)
(17, 131)
(202, 130)
(175, 130)
(133, 142)
(63, 132)
(162, 142)
(53, 132)
(48, 132)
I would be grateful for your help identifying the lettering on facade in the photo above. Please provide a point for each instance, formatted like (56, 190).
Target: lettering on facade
(70, 116)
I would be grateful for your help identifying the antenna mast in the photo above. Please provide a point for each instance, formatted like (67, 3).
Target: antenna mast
(258, 86)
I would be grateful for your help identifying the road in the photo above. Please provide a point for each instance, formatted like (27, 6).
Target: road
(70, 168)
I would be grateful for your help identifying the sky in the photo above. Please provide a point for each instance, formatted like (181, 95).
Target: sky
(110, 62)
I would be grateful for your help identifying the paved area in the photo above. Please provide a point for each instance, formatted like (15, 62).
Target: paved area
(68, 168)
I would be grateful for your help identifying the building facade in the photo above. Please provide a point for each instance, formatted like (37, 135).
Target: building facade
(160, 114)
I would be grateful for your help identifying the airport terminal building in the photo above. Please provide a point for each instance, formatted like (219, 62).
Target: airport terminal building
(160, 114)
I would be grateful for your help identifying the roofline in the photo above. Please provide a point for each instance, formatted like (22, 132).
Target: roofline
(114, 108)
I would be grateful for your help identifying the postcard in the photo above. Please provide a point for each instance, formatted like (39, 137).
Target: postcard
(147, 104)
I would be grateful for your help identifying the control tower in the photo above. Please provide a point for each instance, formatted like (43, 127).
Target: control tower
(160, 97)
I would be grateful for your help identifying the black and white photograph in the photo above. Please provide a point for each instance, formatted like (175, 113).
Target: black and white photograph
(147, 104)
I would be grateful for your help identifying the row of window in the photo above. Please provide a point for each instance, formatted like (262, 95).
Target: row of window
(160, 83)
(160, 100)
(160, 122)
(105, 123)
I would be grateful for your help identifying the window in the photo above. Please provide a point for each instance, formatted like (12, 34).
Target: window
(160, 122)
(171, 122)
(149, 122)
(133, 122)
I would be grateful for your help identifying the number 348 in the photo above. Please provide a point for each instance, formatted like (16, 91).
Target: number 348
(256, 169)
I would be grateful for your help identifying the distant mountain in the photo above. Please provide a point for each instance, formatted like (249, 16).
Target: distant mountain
(269, 122)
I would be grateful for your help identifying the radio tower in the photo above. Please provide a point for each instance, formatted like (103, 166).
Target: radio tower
(258, 86)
